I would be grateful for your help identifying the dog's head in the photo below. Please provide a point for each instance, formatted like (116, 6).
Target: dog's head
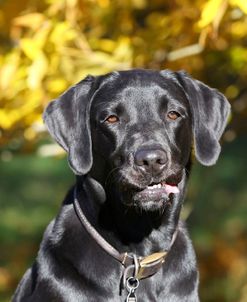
(136, 128)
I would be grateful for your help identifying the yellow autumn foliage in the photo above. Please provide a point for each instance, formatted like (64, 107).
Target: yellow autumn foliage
(50, 53)
(210, 11)
(52, 44)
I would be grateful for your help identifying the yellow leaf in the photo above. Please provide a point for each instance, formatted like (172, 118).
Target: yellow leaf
(31, 48)
(37, 71)
(62, 33)
(8, 70)
(239, 29)
(8, 118)
(123, 50)
(71, 3)
(57, 85)
(106, 44)
(209, 12)
(242, 4)
(103, 3)
(7, 74)
(5, 122)
(139, 4)
(41, 35)
(33, 20)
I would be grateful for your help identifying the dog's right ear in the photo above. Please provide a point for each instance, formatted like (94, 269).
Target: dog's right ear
(68, 121)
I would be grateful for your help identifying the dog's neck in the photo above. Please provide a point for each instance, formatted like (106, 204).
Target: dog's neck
(127, 228)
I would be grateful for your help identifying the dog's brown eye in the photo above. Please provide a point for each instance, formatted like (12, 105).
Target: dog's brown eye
(173, 115)
(112, 119)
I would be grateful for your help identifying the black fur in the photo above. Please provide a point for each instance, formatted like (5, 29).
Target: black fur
(114, 163)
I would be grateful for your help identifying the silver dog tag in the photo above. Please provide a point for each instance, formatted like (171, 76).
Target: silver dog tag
(132, 284)
(131, 297)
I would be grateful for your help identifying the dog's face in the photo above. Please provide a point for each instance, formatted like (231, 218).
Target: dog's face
(142, 130)
(140, 125)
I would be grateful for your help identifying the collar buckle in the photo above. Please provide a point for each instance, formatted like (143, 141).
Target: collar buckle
(151, 264)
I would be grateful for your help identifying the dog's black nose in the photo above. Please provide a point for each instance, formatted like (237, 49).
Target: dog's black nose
(151, 160)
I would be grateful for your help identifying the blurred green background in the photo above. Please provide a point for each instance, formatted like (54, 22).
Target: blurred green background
(48, 45)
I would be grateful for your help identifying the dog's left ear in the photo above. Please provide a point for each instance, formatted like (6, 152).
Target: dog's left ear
(210, 111)
(68, 121)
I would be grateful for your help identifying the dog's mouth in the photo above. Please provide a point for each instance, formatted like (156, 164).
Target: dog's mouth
(161, 187)
(155, 195)
(149, 193)
(157, 191)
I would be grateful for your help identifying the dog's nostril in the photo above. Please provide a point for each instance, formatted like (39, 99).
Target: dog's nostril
(145, 162)
(161, 161)
(151, 159)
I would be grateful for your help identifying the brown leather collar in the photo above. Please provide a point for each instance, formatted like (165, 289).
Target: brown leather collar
(137, 266)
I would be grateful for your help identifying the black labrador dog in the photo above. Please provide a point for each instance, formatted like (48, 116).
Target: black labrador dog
(129, 136)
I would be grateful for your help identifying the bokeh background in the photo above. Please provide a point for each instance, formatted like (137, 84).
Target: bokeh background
(48, 45)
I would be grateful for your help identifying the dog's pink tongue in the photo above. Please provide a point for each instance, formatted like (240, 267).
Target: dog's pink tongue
(171, 189)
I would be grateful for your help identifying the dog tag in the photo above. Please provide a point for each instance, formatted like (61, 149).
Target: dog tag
(131, 297)
(132, 284)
